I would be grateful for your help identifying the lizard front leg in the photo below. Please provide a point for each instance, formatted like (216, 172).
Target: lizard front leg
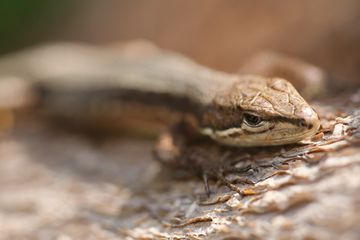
(182, 147)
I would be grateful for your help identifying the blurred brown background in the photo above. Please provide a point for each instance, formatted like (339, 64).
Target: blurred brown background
(220, 34)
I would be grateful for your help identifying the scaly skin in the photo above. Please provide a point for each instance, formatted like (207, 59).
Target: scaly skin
(83, 82)
(286, 116)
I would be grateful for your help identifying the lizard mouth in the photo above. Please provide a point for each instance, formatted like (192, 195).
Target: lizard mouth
(283, 133)
(283, 140)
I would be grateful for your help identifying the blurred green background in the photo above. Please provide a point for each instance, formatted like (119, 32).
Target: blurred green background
(23, 23)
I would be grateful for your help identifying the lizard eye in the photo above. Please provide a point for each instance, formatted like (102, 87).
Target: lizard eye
(252, 120)
(255, 124)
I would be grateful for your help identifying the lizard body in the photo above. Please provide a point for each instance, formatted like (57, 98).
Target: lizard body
(236, 110)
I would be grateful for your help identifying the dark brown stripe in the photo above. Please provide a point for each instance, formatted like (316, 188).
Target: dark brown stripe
(80, 100)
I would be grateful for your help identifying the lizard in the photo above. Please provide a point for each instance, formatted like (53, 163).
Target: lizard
(144, 85)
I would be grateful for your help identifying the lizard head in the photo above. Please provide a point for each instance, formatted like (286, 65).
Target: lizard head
(259, 111)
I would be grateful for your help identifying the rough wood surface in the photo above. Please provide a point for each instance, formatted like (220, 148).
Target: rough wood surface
(56, 184)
